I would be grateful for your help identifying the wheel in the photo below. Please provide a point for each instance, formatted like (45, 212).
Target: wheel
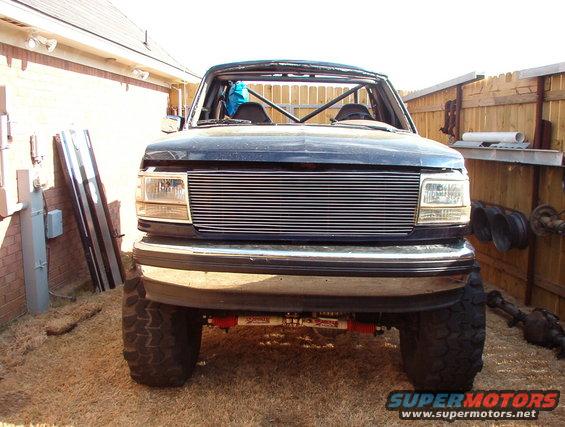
(443, 349)
(161, 342)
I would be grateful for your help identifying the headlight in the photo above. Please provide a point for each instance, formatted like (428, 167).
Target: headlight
(444, 199)
(162, 196)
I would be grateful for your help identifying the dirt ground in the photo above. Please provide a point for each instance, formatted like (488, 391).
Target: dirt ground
(250, 376)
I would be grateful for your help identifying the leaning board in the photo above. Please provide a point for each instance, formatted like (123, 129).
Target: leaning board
(91, 209)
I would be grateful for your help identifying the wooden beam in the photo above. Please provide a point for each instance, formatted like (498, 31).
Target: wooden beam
(491, 101)
(534, 201)
(458, 107)
(540, 95)
(425, 108)
(523, 98)
(555, 95)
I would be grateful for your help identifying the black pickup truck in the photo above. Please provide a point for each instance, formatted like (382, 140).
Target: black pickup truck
(356, 224)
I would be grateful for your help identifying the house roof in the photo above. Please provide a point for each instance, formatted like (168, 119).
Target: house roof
(100, 18)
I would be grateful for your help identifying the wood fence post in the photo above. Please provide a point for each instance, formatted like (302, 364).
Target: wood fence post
(534, 201)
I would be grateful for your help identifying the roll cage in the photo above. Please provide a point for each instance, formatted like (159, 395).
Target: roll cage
(385, 104)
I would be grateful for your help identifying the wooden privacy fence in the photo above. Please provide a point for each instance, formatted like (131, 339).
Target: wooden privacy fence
(499, 103)
(508, 103)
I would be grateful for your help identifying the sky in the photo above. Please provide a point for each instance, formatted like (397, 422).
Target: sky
(416, 43)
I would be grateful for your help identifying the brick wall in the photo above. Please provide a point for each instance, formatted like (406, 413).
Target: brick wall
(12, 294)
(46, 97)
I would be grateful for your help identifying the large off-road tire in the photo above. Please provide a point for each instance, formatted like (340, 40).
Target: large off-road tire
(442, 349)
(161, 342)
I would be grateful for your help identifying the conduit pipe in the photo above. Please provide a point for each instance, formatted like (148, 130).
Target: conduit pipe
(34, 248)
(493, 136)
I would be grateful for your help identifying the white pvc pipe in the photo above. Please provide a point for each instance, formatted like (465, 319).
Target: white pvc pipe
(493, 136)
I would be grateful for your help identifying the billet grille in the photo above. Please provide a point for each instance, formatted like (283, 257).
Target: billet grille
(328, 203)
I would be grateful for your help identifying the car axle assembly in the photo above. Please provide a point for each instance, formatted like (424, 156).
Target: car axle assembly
(540, 327)
(546, 220)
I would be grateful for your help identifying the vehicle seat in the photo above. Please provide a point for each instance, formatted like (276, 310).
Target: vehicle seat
(252, 111)
(353, 112)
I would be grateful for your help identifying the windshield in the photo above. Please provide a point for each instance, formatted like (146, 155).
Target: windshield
(286, 99)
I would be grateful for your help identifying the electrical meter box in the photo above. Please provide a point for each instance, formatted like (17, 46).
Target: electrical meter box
(54, 223)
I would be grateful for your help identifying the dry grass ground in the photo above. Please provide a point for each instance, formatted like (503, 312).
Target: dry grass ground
(250, 376)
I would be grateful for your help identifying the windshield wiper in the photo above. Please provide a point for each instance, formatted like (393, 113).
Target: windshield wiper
(369, 126)
(224, 121)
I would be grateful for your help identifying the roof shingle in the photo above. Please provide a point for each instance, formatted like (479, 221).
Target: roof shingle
(102, 19)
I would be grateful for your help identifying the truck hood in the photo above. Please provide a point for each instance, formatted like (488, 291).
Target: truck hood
(304, 144)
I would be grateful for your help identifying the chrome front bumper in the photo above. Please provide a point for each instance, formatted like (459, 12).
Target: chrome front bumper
(293, 259)
(297, 278)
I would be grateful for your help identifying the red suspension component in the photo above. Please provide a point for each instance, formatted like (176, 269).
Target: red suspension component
(365, 328)
(313, 322)
(224, 322)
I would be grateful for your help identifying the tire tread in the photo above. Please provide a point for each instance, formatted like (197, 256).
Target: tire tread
(161, 342)
(442, 349)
